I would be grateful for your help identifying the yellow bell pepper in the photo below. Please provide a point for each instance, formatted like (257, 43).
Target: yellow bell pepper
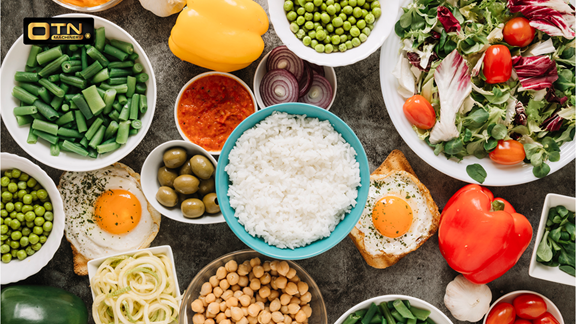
(221, 35)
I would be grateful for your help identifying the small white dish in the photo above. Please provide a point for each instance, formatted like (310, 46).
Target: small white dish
(435, 314)
(163, 249)
(383, 27)
(538, 270)
(15, 61)
(150, 183)
(509, 298)
(199, 76)
(261, 70)
(17, 270)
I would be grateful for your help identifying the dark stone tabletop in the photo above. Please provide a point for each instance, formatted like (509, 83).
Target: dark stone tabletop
(341, 273)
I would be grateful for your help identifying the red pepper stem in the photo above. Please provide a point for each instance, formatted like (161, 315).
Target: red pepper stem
(497, 205)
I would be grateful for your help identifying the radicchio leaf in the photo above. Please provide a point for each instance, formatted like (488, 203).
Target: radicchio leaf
(552, 123)
(554, 17)
(552, 97)
(414, 59)
(535, 72)
(448, 20)
(521, 118)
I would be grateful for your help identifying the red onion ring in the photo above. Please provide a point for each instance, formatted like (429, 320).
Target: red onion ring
(306, 82)
(278, 86)
(320, 93)
(282, 58)
(317, 68)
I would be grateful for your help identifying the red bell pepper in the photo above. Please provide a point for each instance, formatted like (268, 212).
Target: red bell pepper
(480, 236)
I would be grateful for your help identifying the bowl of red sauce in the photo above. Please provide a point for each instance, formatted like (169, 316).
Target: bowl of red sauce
(210, 106)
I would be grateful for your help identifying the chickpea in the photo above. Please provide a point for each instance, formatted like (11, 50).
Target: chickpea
(209, 321)
(275, 305)
(261, 305)
(198, 318)
(265, 279)
(273, 295)
(264, 317)
(233, 278)
(203, 299)
(264, 292)
(291, 273)
(258, 271)
(243, 281)
(295, 300)
(255, 284)
(226, 321)
(217, 291)
(213, 308)
(306, 298)
(198, 306)
(235, 288)
(307, 310)
(295, 279)
(237, 314)
(273, 283)
(251, 276)
(224, 284)
(302, 287)
(245, 311)
(285, 299)
(248, 291)
(254, 310)
(255, 262)
(277, 317)
(232, 302)
(228, 312)
(242, 270)
(260, 299)
(300, 316)
(266, 266)
(222, 306)
(210, 298)
(252, 319)
(284, 309)
(291, 288)
(287, 319)
(281, 282)
(220, 317)
(206, 289)
(231, 266)
(214, 281)
(273, 273)
(248, 265)
(219, 300)
(252, 300)
(243, 320)
(244, 300)
(283, 268)
(293, 309)
(227, 294)
(238, 293)
(221, 273)
(273, 265)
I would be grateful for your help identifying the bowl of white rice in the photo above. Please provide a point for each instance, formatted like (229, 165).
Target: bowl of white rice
(292, 181)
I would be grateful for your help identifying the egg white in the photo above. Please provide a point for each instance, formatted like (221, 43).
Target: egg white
(401, 186)
(80, 190)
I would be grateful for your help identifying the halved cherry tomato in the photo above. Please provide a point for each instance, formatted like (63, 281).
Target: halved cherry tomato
(497, 64)
(419, 112)
(522, 321)
(508, 152)
(518, 32)
(502, 313)
(546, 318)
(529, 306)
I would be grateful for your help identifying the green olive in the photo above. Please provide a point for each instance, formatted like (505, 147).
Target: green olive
(186, 168)
(186, 184)
(166, 176)
(182, 197)
(211, 203)
(192, 208)
(206, 186)
(201, 166)
(166, 196)
(175, 157)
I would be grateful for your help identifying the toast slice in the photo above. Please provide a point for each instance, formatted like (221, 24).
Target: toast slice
(395, 163)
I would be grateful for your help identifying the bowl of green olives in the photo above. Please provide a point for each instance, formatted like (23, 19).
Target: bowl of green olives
(178, 180)
(32, 222)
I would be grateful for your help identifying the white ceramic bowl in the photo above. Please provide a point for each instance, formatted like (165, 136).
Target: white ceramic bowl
(509, 298)
(163, 249)
(435, 314)
(538, 270)
(15, 61)
(102, 7)
(18, 270)
(199, 76)
(382, 29)
(261, 70)
(497, 174)
(150, 183)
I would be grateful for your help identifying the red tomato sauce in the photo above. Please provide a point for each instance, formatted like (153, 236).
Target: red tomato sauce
(210, 108)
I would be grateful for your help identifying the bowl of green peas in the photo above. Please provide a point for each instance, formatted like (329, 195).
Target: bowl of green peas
(32, 218)
(78, 107)
(333, 32)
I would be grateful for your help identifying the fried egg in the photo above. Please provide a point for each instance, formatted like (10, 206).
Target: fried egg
(107, 212)
(396, 218)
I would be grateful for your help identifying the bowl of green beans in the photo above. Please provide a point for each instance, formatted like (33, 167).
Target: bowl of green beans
(79, 107)
(32, 218)
(333, 32)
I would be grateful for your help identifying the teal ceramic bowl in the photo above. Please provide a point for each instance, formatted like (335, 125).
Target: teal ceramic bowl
(341, 230)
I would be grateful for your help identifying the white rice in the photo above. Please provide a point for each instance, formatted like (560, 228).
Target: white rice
(293, 179)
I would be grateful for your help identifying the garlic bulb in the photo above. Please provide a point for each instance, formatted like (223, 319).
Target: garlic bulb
(467, 301)
(163, 8)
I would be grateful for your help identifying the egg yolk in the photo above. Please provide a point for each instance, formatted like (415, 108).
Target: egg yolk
(392, 216)
(117, 211)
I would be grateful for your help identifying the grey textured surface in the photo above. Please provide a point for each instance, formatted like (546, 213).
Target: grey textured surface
(341, 273)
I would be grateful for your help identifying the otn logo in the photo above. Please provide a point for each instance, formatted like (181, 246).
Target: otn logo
(58, 30)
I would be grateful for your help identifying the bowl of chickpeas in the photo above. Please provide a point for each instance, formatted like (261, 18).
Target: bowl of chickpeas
(246, 287)
(32, 218)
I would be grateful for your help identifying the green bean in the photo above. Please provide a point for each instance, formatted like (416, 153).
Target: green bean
(65, 119)
(32, 88)
(93, 128)
(49, 55)
(117, 73)
(101, 76)
(120, 88)
(71, 66)
(73, 105)
(109, 97)
(110, 140)
(95, 54)
(45, 127)
(44, 95)
(116, 105)
(108, 147)
(368, 316)
(125, 112)
(74, 148)
(115, 52)
(57, 101)
(101, 92)
(83, 58)
(123, 132)
(123, 46)
(118, 64)
(136, 124)
(65, 107)
(54, 149)
(97, 138)
(46, 110)
(50, 86)
(93, 99)
(402, 309)
(67, 132)
(91, 70)
(75, 56)
(386, 312)
(32, 138)
(25, 110)
(23, 95)
(84, 142)
(73, 47)
(351, 319)
(131, 86)
(397, 315)
(114, 115)
(24, 120)
(142, 77)
(143, 104)
(38, 116)
(134, 106)
(48, 137)
(92, 153)
(73, 81)
(34, 50)
(54, 66)
(141, 88)
(35, 69)
(111, 129)
(122, 99)
(133, 56)
(115, 81)
(26, 77)
(100, 38)
(78, 99)
(54, 78)
(137, 68)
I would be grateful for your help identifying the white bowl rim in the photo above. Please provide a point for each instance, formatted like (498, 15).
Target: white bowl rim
(95, 164)
(199, 76)
(55, 237)
(261, 64)
(383, 298)
(520, 292)
(156, 205)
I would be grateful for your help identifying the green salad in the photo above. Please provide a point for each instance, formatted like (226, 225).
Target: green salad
(489, 78)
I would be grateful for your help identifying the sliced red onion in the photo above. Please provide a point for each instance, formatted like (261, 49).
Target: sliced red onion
(306, 82)
(282, 58)
(317, 68)
(320, 93)
(278, 86)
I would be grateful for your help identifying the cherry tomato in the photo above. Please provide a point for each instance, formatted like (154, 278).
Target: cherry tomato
(546, 318)
(508, 152)
(522, 321)
(529, 306)
(518, 32)
(502, 313)
(497, 64)
(419, 112)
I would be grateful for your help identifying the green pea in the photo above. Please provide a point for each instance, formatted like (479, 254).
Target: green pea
(12, 187)
(49, 216)
(343, 38)
(370, 18)
(8, 174)
(3, 213)
(16, 173)
(15, 244)
(288, 5)
(300, 21)
(15, 224)
(366, 6)
(308, 16)
(306, 40)
(339, 31)
(375, 4)
(325, 18)
(331, 10)
(4, 248)
(311, 34)
(337, 6)
(38, 230)
(317, 3)
(22, 193)
(316, 16)
(371, 26)
(320, 35)
(7, 196)
(355, 41)
(48, 206)
(33, 238)
(43, 239)
(6, 258)
(294, 27)
(319, 28)
(328, 48)
(36, 246)
(291, 15)
(342, 47)
(39, 210)
(29, 216)
(30, 251)
(309, 25)
(300, 11)
(330, 28)
(347, 10)
(353, 3)
(24, 241)
(39, 221)
(361, 24)
(27, 208)
(347, 25)
(21, 254)
(366, 31)
(31, 182)
(377, 12)
(24, 177)
(22, 185)
(3, 237)
(20, 217)
(34, 196)
(300, 34)
(361, 2)
(313, 43)
(344, 3)
(3, 229)
(309, 6)
(16, 235)
(335, 40)
(30, 224)
(1, 221)
(327, 40)
(5, 181)
(316, 25)
(319, 48)
(301, 2)
(26, 231)
(9, 207)
(364, 13)
(18, 206)
(329, 2)
(357, 13)
(37, 187)
(363, 37)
